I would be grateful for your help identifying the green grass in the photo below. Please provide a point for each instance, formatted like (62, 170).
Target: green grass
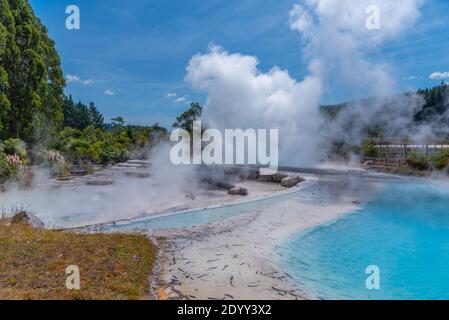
(112, 266)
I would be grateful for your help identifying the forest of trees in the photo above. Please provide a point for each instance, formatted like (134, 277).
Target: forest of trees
(79, 116)
(436, 103)
(435, 109)
(31, 78)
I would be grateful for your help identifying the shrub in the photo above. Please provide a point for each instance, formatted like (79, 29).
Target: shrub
(15, 147)
(418, 161)
(7, 170)
(440, 159)
(112, 153)
(369, 149)
(56, 161)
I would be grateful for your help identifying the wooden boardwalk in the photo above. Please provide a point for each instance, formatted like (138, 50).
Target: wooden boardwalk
(394, 151)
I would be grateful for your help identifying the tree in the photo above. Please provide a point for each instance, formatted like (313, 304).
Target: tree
(186, 119)
(117, 122)
(95, 117)
(79, 116)
(5, 16)
(435, 103)
(31, 79)
(369, 149)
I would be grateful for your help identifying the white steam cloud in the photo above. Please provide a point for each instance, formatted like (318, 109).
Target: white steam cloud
(128, 197)
(335, 44)
(240, 96)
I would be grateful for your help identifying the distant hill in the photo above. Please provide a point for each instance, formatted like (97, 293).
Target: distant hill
(433, 111)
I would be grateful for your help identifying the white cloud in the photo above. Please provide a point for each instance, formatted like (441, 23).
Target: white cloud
(109, 92)
(409, 78)
(171, 95)
(299, 19)
(181, 100)
(72, 78)
(439, 75)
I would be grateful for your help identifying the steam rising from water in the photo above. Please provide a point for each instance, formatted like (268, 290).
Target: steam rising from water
(336, 45)
(126, 198)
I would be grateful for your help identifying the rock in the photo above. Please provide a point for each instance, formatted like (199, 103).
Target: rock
(28, 218)
(143, 163)
(190, 195)
(128, 165)
(249, 174)
(290, 182)
(99, 182)
(220, 184)
(79, 172)
(137, 174)
(265, 179)
(238, 191)
(277, 177)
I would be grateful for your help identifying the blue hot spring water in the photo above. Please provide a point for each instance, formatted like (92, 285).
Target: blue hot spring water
(404, 231)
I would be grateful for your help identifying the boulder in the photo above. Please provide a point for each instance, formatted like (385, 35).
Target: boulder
(28, 218)
(249, 174)
(128, 165)
(238, 191)
(265, 178)
(137, 173)
(220, 183)
(98, 182)
(143, 163)
(190, 195)
(277, 177)
(290, 182)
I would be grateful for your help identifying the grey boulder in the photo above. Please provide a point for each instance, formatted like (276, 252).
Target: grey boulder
(28, 218)
(238, 191)
(290, 182)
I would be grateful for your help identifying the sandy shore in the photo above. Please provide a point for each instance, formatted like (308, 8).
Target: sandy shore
(237, 258)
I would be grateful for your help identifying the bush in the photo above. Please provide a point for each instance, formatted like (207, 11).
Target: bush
(94, 145)
(7, 170)
(417, 161)
(112, 153)
(440, 160)
(369, 149)
(15, 147)
(56, 161)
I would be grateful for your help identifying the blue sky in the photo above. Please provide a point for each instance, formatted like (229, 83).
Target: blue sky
(139, 49)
